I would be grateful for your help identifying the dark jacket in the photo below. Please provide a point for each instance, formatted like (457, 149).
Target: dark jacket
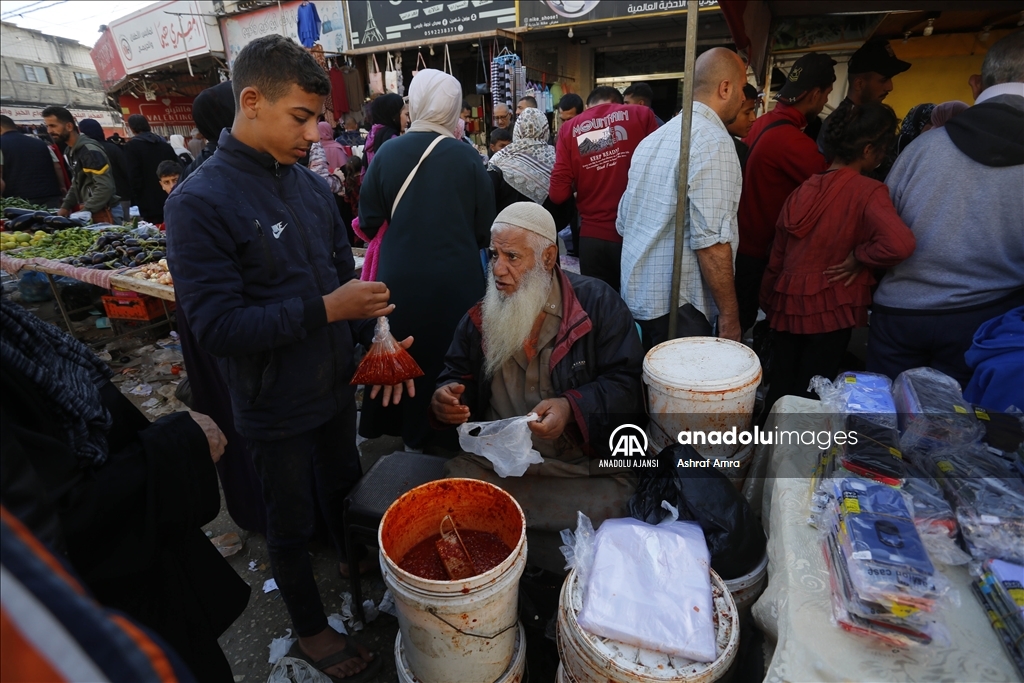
(92, 180)
(205, 154)
(131, 527)
(253, 247)
(596, 363)
(119, 166)
(28, 168)
(144, 152)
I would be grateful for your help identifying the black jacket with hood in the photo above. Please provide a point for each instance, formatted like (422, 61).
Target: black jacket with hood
(144, 152)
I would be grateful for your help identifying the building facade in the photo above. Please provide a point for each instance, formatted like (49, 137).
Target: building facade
(38, 70)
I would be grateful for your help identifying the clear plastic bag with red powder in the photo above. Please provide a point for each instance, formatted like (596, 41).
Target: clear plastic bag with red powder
(386, 363)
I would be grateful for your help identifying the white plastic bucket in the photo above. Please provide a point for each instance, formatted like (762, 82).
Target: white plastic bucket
(748, 588)
(738, 474)
(455, 631)
(513, 673)
(587, 658)
(701, 384)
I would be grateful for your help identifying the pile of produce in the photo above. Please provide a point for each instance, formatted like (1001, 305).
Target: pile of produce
(19, 203)
(111, 249)
(154, 272)
(18, 219)
(17, 240)
(61, 244)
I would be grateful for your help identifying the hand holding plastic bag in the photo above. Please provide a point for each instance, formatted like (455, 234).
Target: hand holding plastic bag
(506, 443)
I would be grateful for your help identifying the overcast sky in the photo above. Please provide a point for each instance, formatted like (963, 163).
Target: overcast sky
(76, 19)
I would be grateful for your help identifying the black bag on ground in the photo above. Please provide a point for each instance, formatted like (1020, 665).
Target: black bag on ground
(703, 494)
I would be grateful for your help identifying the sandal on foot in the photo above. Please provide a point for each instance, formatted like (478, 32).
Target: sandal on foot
(350, 651)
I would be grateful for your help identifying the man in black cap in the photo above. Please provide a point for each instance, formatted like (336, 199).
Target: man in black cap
(780, 158)
(871, 70)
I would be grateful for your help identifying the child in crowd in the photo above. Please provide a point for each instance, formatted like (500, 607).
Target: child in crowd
(833, 230)
(499, 138)
(168, 172)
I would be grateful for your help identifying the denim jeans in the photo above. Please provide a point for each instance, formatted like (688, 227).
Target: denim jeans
(118, 213)
(316, 467)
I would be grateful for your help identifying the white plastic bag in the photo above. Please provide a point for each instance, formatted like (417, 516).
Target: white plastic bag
(650, 586)
(579, 547)
(506, 443)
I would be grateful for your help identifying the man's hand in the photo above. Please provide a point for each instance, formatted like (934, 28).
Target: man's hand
(446, 405)
(213, 433)
(395, 392)
(63, 212)
(358, 300)
(846, 271)
(554, 414)
(729, 327)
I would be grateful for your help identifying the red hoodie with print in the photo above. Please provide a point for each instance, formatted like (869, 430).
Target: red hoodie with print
(827, 217)
(592, 157)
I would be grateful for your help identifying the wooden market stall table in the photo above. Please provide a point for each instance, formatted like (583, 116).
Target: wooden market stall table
(795, 610)
(108, 279)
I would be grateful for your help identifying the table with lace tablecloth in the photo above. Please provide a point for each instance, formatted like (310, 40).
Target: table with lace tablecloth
(795, 611)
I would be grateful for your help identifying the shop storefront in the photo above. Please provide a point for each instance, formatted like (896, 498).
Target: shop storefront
(617, 43)
(155, 61)
(458, 37)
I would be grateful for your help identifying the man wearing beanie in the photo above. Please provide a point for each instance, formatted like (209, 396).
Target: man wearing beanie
(560, 345)
(118, 166)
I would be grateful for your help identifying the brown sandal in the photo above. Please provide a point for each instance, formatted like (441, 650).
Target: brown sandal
(350, 651)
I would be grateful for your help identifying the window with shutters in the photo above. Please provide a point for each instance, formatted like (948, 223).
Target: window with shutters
(87, 81)
(35, 74)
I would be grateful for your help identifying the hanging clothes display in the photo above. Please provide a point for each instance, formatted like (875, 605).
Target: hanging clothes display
(339, 94)
(508, 78)
(355, 89)
(309, 24)
(318, 54)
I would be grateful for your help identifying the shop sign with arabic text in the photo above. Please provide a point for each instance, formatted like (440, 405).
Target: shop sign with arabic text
(157, 34)
(544, 13)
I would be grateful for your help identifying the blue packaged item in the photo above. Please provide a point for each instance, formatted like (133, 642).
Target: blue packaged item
(861, 393)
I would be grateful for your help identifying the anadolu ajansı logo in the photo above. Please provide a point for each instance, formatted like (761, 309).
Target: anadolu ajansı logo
(628, 441)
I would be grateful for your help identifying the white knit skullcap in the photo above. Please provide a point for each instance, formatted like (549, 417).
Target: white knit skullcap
(528, 216)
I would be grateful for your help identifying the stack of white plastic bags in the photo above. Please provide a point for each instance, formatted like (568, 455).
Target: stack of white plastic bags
(646, 585)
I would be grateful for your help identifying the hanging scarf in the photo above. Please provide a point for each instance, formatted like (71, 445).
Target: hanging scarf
(527, 162)
(435, 102)
(66, 372)
(334, 152)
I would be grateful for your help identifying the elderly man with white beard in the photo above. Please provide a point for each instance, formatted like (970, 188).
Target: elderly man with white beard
(557, 344)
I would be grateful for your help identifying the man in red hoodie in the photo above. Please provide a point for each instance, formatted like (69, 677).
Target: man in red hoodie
(777, 165)
(592, 157)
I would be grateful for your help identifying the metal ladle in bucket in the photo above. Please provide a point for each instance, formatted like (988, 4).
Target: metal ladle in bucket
(452, 550)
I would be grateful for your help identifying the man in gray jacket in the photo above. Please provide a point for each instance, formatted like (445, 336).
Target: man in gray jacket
(959, 189)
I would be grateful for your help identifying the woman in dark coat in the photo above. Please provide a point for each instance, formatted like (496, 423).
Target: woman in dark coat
(123, 499)
(430, 255)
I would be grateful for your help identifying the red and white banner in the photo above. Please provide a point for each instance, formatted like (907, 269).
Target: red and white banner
(34, 115)
(166, 32)
(166, 111)
(107, 60)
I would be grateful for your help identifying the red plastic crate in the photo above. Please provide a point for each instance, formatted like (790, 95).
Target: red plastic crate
(141, 308)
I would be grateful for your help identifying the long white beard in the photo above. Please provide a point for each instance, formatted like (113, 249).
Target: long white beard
(508, 318)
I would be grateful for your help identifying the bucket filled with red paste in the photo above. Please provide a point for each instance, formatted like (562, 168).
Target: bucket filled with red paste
(463, 628)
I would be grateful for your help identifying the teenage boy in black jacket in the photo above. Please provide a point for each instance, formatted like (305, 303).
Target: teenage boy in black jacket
(263, 268)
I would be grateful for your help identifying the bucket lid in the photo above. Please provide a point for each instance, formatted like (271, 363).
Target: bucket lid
(702, 364)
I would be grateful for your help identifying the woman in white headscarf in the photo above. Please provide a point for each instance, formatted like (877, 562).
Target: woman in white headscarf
(178, 145)
(430, 255)
(521, 171)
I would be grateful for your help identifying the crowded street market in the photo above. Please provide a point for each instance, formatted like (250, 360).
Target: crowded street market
(512, 341)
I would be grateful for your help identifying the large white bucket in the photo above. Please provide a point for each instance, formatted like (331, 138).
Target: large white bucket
(748, 588)
(700, 384)
(513, 673)
(455, 631)
(587, 658)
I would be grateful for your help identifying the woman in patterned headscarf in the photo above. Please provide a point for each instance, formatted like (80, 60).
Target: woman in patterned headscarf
(521, 172)
(917, 121)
